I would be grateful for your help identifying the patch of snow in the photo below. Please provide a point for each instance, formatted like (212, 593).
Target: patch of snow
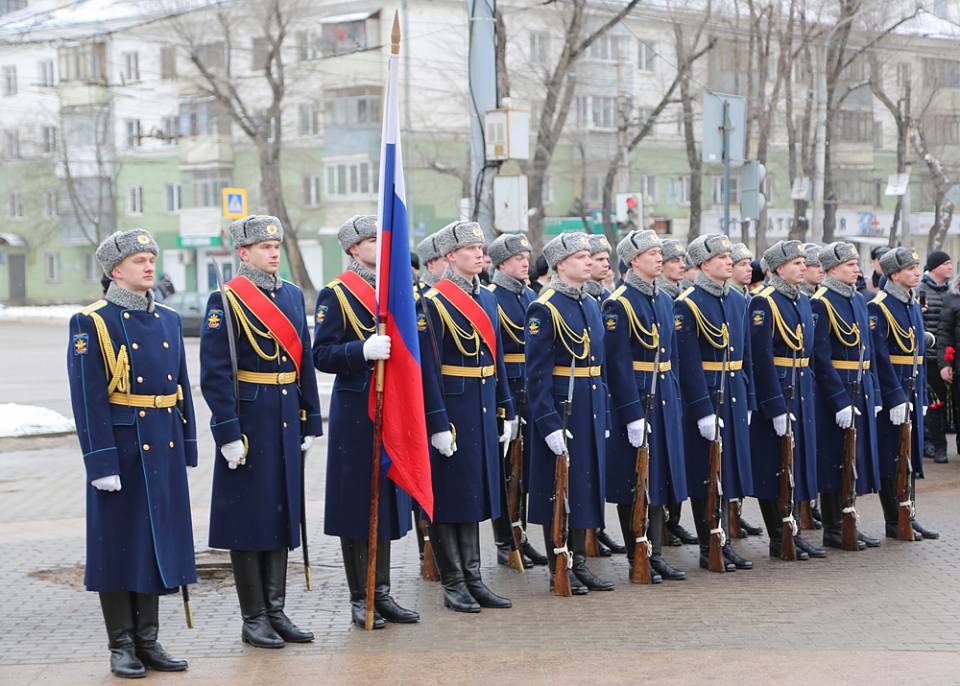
(30, 420)
(39, 313)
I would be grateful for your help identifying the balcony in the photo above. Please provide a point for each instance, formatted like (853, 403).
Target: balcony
(206, 151)
(83, 94)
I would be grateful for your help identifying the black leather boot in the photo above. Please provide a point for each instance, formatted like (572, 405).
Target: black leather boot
(832, 519)
(731, 556)
(675, 528)
(808, 548)
(355, 566)
(386, 606)
(274, 564)
(580, 569)
(532, 554)
(774, 525)
(625, 516)
(576, 586)
(446, 548)
(468, 537)
(891, 507)
(117, 607)
(503, 537)
(699, 508)
(248, 576)
(604, 538)
(147, 621)
(868, 541)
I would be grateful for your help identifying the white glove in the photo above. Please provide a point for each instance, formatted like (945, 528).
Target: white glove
(749, 417)
(232, 452)
(635, 431)
(107, 483)
(443, 442)
(510, 429)
(554, 441)
(606, 433)
(780, 424)
(924, 410)
(844, 417)
(376, 348)
(898, 414)
(307, 442)
(876, 410)
(708, 427)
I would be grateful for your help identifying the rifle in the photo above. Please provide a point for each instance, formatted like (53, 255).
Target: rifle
(515, 559)
(788, 549)
(514, 479)
(640, 568)
(561, 504)
(733, 519)
(307, 574)
(904, 454)
(848, 483)
(714, 483)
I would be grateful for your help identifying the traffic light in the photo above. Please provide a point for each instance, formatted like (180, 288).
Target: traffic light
(752, 200)
(633, 218)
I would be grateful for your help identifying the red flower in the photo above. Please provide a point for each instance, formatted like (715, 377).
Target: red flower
(949, 353)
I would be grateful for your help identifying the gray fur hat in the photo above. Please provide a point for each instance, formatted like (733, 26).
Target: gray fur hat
(836, 253)
(781, 252)
(740, 252)
(704, 247)
(897, 259)
(812, 252)
(563, 246)
(357, 228)
(255, 228)
(122, 244)
(672, 248)
(637, 242)
(599, 243)
(506, 246)
(457, 235)
(427, 250)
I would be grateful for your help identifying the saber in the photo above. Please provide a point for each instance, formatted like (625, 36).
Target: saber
(231, 347)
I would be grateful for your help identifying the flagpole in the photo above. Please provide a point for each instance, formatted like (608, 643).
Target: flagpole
(373, 532)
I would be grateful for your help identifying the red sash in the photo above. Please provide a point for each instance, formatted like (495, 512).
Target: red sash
(470, 309)
(361, 289)
(270, 316)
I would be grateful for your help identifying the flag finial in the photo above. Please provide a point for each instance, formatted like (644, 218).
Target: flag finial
(395, 34)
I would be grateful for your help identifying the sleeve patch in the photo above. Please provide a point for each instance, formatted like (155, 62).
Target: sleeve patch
(611, 321)
(873, 322)
(421, 322)
(214, 318)
(677, 321)
(757, 317)
(533, 326)
(81, 343)
(322, 313)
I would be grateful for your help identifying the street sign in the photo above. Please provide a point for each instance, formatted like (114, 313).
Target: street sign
(630, 207)
(801, 189)
(234, 203)
(713, 127)
(897, 184)
(198, 241)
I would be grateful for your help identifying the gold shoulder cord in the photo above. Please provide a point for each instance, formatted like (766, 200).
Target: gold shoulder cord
(899, 333)
(637, 329)
(458, 333)
(508, 326)
(117, 366)
(847, 333)
(718, 338)
(349, 315)
(793, 339)
(251, 330)
(567, 336)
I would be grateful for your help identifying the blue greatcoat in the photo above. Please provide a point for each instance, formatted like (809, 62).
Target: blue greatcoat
(257, 506)
(894, 367)
(629, 317)
(550, 320)
(139, 538)
(698, 386)
(772, 374)
(836, 343)
(512, 310)
(343, 323)
(466, 486)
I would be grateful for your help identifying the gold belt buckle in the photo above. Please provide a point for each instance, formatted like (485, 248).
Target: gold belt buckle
(156, 401)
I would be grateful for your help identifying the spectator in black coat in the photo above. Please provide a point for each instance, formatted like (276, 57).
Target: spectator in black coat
(931, 292)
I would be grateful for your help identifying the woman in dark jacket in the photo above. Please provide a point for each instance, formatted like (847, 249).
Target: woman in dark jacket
(948, 340)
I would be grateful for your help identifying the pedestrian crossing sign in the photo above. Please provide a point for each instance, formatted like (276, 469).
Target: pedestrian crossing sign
(234, 203)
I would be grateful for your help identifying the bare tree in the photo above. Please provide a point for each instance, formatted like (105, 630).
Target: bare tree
(942, 206)
(90, 170)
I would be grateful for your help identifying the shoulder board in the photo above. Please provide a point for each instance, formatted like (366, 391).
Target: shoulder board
(617, 293)
(290, 283)
(93, 307)
(491, 287)
(685, 294)
(432, 293)
(166, 307)
(757, 289)
(545, 296)
(820, 293)
(332, 283)
(765, 292)
(879, 297)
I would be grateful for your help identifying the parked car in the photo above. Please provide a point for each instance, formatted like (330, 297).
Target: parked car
(190, 305)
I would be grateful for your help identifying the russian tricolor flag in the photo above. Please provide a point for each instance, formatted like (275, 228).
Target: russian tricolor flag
(405, 453)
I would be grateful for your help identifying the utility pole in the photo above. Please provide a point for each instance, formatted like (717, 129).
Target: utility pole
(482, 74)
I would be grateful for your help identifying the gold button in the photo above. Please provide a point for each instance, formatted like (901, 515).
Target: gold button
(592, 358)
(166, 345)
(664, 402)
(283, 358)
(273, 295)
(143, 413)
(169, 377)
(484, 410)
(134, 346)
(284, 425)
(171, 444)
(157, 315)
(146, 446)
(483, 381)
(169, 411)
(733, 400)
(126, 315)
(283, 390)
(139, 379)
(663, 350)
(594, 386)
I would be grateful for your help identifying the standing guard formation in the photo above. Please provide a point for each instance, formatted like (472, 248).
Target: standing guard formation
(539, 410)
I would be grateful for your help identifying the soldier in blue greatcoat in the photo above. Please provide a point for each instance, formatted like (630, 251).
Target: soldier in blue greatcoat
(896, 324)
(638, 343)
(842, 334)
(261, 436)
(564, 327)
(781, 345)
(464, 384)
(711, 326)
(134, 415)
(346, 343)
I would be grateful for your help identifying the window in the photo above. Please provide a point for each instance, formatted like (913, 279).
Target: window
(942, 129)
(903, 73)
(170, 130)
(212, 55)
(172, 195)
(83, 62)
(203, 118)
(940, 72)
(351, 179)
(11, 144)
(208, 187)
(168, 62)
(131, 67)
(259, 49)
(9, 80)
(678, 190)
(50, 205)
(718, 190)
(648, 187)
(11, 5)
(45, 74)
(135, 200)
(309, 119)
(594, 189)
(608, 48)
(853, 126)
(91, 268)
(49, 136)
(14, 205)
(51, 261)
(877, 134)
(311, 191)
(539, 47)
(307, 47)
(596, 112)
(134, 133)
(343, 37)
(646, 55)
(358, 110)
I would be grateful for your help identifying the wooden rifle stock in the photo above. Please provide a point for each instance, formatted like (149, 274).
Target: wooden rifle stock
(806, 515)
(788, 548)
(904, 525)
(733, 520)
(561, 583)
(514, 495)
(590, 545)
(848, 488)
(640, 567)
(716, 562)
(428, 570)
